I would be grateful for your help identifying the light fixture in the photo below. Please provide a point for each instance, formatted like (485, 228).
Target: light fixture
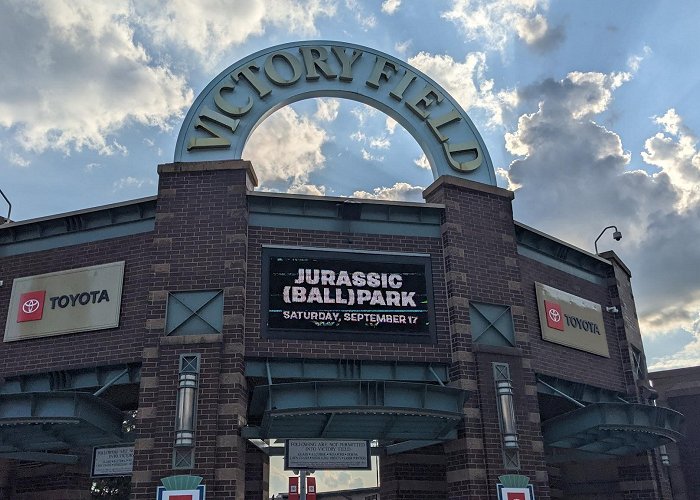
(617, 236)
(186, 400)
(506, 408)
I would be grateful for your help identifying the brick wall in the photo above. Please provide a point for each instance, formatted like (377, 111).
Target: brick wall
(75, 350)
(561, 361)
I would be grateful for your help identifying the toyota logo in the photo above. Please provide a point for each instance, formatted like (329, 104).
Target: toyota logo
(30, 306)
(554, 315)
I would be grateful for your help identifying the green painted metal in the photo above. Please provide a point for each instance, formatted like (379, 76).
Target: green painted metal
(301, 369)
(51, 421)
(395, 449)
(84, 378)
(196, 312)
(558, 254)
(94, 224)
(327, 214)
(346, 409)
(613, 428)
(35, 456)
(492, 324)
(576, 391)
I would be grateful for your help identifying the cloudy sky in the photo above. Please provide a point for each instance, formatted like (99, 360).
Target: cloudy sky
(586, 108)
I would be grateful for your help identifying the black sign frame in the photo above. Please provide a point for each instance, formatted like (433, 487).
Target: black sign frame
(366, 466)
(423, 260)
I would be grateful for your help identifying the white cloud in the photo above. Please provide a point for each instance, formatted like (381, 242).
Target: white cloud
(390, 6)
(133, 183)
(381, 142)
(364, 19)
(358, 136)
(327, 109)
(209, 28)
(401, 191)
(286, 147)
(311, 189)
(465, 81)
(82, 77)
(17, 160)
(677, 155)
(495, 22)
(367, 156)
(390, 125)
(574, 177)
(635, 61)
(422, 162)
(401, 48)
(91, 167)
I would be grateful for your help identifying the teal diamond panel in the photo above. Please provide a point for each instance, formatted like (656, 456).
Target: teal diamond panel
(492, 324)
(195, 313)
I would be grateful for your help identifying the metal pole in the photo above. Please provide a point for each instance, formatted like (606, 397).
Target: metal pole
(302, 484)
(9, 206)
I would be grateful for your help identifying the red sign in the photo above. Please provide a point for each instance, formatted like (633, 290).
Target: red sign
(555, 318)
(293, 488)
(515, 496)
(310, 488)
(181, 497)
(31, 306)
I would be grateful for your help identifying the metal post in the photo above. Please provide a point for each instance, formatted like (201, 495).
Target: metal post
(302, 484)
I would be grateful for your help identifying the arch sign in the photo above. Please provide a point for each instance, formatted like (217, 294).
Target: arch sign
(224, 115)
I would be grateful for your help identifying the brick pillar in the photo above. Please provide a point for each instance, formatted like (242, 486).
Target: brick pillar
(200, 243)
(651, 477)
(481, 264)
(413, 474)
(257, 474)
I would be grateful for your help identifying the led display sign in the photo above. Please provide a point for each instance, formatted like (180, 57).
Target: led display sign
(327, 295)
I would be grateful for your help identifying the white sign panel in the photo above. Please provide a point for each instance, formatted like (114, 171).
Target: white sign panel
(323, 454)
(112, 461)
(75, 300)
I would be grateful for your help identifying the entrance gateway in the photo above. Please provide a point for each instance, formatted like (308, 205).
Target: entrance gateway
(242, 96)
(244, 323)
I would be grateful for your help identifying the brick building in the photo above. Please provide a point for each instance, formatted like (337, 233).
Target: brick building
(467, 345)
(679, 389)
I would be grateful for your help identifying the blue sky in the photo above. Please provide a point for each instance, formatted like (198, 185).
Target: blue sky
(587, 109)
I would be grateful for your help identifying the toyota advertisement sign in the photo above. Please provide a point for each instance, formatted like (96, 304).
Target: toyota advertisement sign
(63, 302)
(571, 320)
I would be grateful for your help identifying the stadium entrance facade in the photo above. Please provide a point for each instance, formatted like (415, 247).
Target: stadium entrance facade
(481, 355)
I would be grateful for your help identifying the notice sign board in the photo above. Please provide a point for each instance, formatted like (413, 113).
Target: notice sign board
(571, 320)
(328, 295)
(75, 300)
(326, 454)
(108, 461)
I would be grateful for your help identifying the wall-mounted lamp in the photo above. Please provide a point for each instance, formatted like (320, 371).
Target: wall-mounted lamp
(186, 400)
(617, 236)
(506, 407)
(612, 309)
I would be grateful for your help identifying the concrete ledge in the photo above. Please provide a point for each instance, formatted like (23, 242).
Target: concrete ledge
(206, 166)
(451, 181)
(455, 476)
(192, 339)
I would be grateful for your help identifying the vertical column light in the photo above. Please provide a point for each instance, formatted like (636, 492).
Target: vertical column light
(506, 414)
(186, 400)
(506, 410)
